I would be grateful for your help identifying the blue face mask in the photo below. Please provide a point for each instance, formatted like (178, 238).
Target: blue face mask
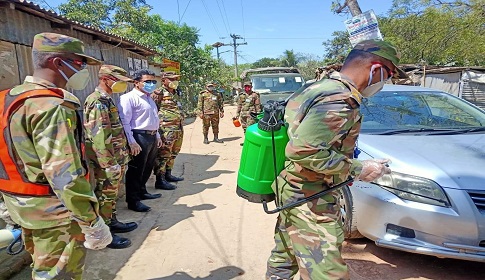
(149, 87)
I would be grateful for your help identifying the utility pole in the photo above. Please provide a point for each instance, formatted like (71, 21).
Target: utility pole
(234, 44)
(217, 45)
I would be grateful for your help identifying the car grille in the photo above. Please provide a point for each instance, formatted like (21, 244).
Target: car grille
(479, 200)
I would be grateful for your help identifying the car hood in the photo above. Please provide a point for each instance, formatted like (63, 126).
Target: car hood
(453, 161)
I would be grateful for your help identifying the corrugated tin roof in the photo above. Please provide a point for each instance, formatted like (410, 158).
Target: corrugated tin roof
(34, 9)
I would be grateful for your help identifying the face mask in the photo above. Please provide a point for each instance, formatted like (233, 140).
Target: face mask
(119, 87)
(173, 84)
(371, 90)
(79, 80)
(149, 87)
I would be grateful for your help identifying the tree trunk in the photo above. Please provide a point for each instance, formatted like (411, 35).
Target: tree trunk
(353, 7)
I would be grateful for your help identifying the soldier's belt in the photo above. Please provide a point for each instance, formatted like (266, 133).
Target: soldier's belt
(140, 131)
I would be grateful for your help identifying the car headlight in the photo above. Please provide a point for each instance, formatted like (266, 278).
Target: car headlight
(414, 188)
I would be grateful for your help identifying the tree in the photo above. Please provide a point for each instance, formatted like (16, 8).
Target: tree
(351, 6)
(337, 48)
(428, 31)
(266, 62)
(437, 32)
(131, 19)
(289, 59)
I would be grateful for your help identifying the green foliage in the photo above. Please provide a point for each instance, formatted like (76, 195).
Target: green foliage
(131, 19)
(289, 59)
(337, 48)
(266, 62)
(428, 31)
(437, 34)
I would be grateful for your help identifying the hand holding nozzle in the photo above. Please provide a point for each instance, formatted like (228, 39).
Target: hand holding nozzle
(373, 169)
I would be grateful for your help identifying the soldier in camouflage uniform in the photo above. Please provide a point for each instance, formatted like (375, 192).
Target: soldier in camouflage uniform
(319, 155)
(172, 131)
(47, 148)
(210, 109)
(107, 148)
(248, 103)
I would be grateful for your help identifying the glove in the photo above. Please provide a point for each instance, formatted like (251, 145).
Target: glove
(373, 169)
(97, 235)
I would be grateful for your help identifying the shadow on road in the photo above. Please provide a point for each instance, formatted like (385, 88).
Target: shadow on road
(229, 139)
(404, 265)
(195, 170)
(226, 272)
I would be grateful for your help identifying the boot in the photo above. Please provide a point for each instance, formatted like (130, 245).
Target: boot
(116, 226)
(170, 178)
(206, 139)
(216, 138)
(119, 242)
(162, 184)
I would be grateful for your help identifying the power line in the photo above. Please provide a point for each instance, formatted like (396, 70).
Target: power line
(183, 14)
(222, 16)
(210, 18)
(227, 18)
(242, 13)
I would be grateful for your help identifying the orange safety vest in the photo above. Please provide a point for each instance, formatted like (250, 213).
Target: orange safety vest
(12, 179)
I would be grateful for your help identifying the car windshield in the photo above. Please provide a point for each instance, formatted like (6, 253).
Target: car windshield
(393, 112)
(276, 83)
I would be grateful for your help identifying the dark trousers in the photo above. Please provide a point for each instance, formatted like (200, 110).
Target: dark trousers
(140, 167)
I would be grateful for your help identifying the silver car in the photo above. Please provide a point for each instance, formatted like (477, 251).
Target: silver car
(433, 203)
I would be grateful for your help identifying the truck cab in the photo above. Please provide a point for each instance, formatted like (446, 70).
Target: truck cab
(274, 83)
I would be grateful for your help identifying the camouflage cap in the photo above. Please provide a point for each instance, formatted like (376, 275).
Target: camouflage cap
(210, 84)
(53, 42)
(385, 50)
(248, 83)
(169, 75)
(114, 71)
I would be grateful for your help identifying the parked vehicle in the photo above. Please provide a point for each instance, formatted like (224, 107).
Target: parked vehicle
(433, 203)
(274, 83)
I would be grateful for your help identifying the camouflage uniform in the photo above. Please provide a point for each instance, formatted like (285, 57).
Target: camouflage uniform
(106, 146)
(309, 237)
(45, 129)
(247, 104)
(210, 105)
(171, 128)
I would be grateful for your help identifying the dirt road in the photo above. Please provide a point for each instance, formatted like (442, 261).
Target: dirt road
(203, 230)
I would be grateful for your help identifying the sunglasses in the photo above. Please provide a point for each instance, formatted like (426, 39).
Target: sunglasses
(80, 63)
(150, 82)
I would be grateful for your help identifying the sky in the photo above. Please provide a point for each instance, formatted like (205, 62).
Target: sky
(269, 27)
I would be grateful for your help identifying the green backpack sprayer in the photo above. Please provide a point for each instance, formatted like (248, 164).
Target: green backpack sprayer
(263, 157)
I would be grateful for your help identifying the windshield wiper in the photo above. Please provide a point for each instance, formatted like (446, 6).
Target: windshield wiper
(414, 130)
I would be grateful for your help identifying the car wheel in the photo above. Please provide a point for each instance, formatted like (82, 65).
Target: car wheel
(347, 209)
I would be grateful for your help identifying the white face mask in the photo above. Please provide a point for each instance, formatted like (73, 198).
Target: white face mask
(371, 90)
(79, 80)
(173, 84)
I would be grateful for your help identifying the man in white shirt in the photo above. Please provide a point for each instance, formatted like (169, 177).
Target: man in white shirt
(139, 116)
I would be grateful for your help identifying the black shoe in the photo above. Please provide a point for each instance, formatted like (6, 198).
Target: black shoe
(119, 242)
(116, 226)
(162, 184)
(170, 178)
(139, 207)
(206, 141)
(150, 196)
(217, 140)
